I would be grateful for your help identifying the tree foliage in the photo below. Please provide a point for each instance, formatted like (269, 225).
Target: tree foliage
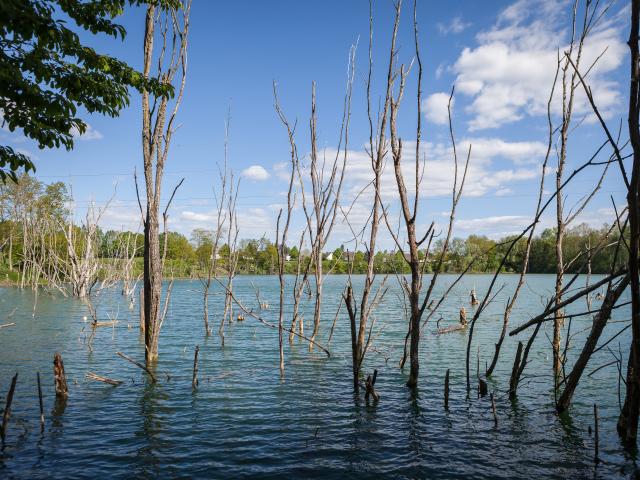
(47, 73)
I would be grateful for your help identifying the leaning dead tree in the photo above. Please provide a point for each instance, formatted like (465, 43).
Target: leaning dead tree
(169, 24)
(569, 85)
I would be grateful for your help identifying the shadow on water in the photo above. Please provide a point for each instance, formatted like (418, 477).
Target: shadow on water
(149, 431)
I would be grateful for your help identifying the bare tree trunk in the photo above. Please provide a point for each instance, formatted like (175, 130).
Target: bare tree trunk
(157, 131)
(628, 420)
(599, 322)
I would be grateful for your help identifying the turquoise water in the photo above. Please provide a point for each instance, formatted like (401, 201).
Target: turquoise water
(244, 421)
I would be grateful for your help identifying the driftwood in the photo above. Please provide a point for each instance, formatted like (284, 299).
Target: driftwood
(454, 328)
(7, 408)
(41, 404)
(98, 378)
(194, 379)
(62, 391)
(139, 365)
(7, 325)
(110, 323)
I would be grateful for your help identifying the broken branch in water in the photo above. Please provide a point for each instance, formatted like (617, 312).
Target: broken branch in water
(268, 324)
(139, 365)
(98, 378)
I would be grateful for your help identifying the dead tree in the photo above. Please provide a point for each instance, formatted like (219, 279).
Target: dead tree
(281, 235)
(628, 421)
(233, 255)
(321, 208)
(83, 262)
(158, 127)
(418, 246)
(221, 216)
(360, 318)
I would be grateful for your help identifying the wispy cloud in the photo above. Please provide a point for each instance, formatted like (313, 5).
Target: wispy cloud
(456, 25)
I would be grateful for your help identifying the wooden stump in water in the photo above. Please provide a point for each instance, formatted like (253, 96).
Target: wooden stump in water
(446, 390)
(369, 386)
(194, 380)
(513, 383)
(482, 387)
(474, 298)
(493, 409)
(62, 390)
(7, 408)
(41, 404)
(463, 316)
(597, 437)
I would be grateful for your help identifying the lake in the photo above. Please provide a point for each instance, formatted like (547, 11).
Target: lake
(243, 420)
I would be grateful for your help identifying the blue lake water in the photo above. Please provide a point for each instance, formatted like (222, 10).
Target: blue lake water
(243, 420)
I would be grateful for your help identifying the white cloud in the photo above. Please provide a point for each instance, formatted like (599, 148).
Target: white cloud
(495, 166)
(255, 172)
(510, 72)
(89, 134)
(282, 170)
(493, 227)
(456, 25)
(435, 108)
(198, 217)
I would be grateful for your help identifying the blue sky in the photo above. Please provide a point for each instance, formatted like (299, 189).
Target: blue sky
(499, 54)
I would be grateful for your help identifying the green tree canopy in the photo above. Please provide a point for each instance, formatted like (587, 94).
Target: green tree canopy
(46, 73)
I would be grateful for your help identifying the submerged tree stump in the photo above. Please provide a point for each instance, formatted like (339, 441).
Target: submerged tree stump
(596, 458)
(7, 408)
(41, 404)
(62, 391)
(513, 383)
(493, 409)
(369, 387)
(194, 380)
(446, 390)
(482, 388)
(474, 298)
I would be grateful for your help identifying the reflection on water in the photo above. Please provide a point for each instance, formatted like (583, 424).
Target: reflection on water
(244, 421)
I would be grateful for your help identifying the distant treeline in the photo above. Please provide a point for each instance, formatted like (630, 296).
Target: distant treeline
(188, 257)
(31, 203)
